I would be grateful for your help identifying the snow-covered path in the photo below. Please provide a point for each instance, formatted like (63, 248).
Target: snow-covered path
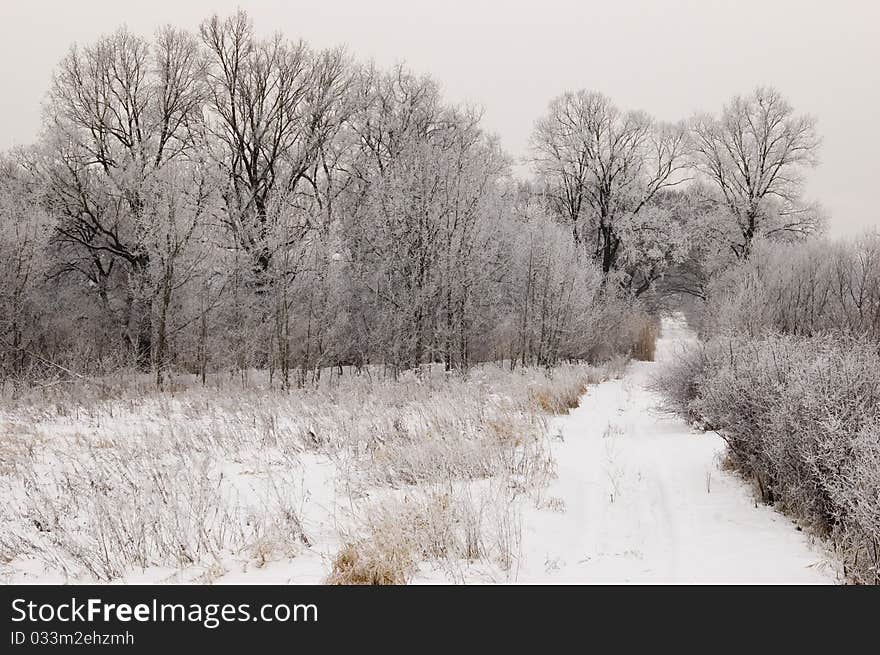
(646, 502)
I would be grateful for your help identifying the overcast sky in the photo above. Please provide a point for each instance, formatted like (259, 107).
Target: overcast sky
(668, 57)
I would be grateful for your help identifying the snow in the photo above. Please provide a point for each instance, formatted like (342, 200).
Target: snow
(647, 502)
(639, 497)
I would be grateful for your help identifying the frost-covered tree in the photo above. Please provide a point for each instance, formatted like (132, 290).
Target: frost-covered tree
(24, 239)
(601, 167)
(273, 106)
(177, 205)
(223, 202)
(422, 229)
(118, 111)
(549, 291)
(754, 154)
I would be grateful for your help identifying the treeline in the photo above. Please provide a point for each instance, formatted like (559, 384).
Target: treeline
(217, 201)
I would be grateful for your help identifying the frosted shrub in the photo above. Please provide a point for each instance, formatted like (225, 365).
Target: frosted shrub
(800, 417)
(679, 378)
(820, 287)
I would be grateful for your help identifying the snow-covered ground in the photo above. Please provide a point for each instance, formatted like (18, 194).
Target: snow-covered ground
(645, 500)
(639, 497)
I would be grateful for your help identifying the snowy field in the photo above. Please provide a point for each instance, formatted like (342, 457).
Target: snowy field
(236, 482)
(467, 482)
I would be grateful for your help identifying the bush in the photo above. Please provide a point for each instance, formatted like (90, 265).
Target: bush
(790, 377)
(679, 378)
(800, 416)
(820, 287)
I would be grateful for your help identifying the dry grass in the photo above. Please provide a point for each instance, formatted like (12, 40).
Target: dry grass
(450, 530)
(646, 341)
(555, 400)
(364, 563)
(97, 484)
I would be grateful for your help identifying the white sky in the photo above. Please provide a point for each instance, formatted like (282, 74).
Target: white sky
(668, 57)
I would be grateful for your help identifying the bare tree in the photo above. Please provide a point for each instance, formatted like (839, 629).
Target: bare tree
(176, 203)
(600, 166)
(274, 105)
(754, 155)
(118, 111)
(24, 237)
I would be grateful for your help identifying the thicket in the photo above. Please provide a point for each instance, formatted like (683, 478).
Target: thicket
(789, 375)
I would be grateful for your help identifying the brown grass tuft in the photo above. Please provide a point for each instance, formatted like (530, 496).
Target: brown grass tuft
(367, 563)
(557, 399)
(646, 342)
